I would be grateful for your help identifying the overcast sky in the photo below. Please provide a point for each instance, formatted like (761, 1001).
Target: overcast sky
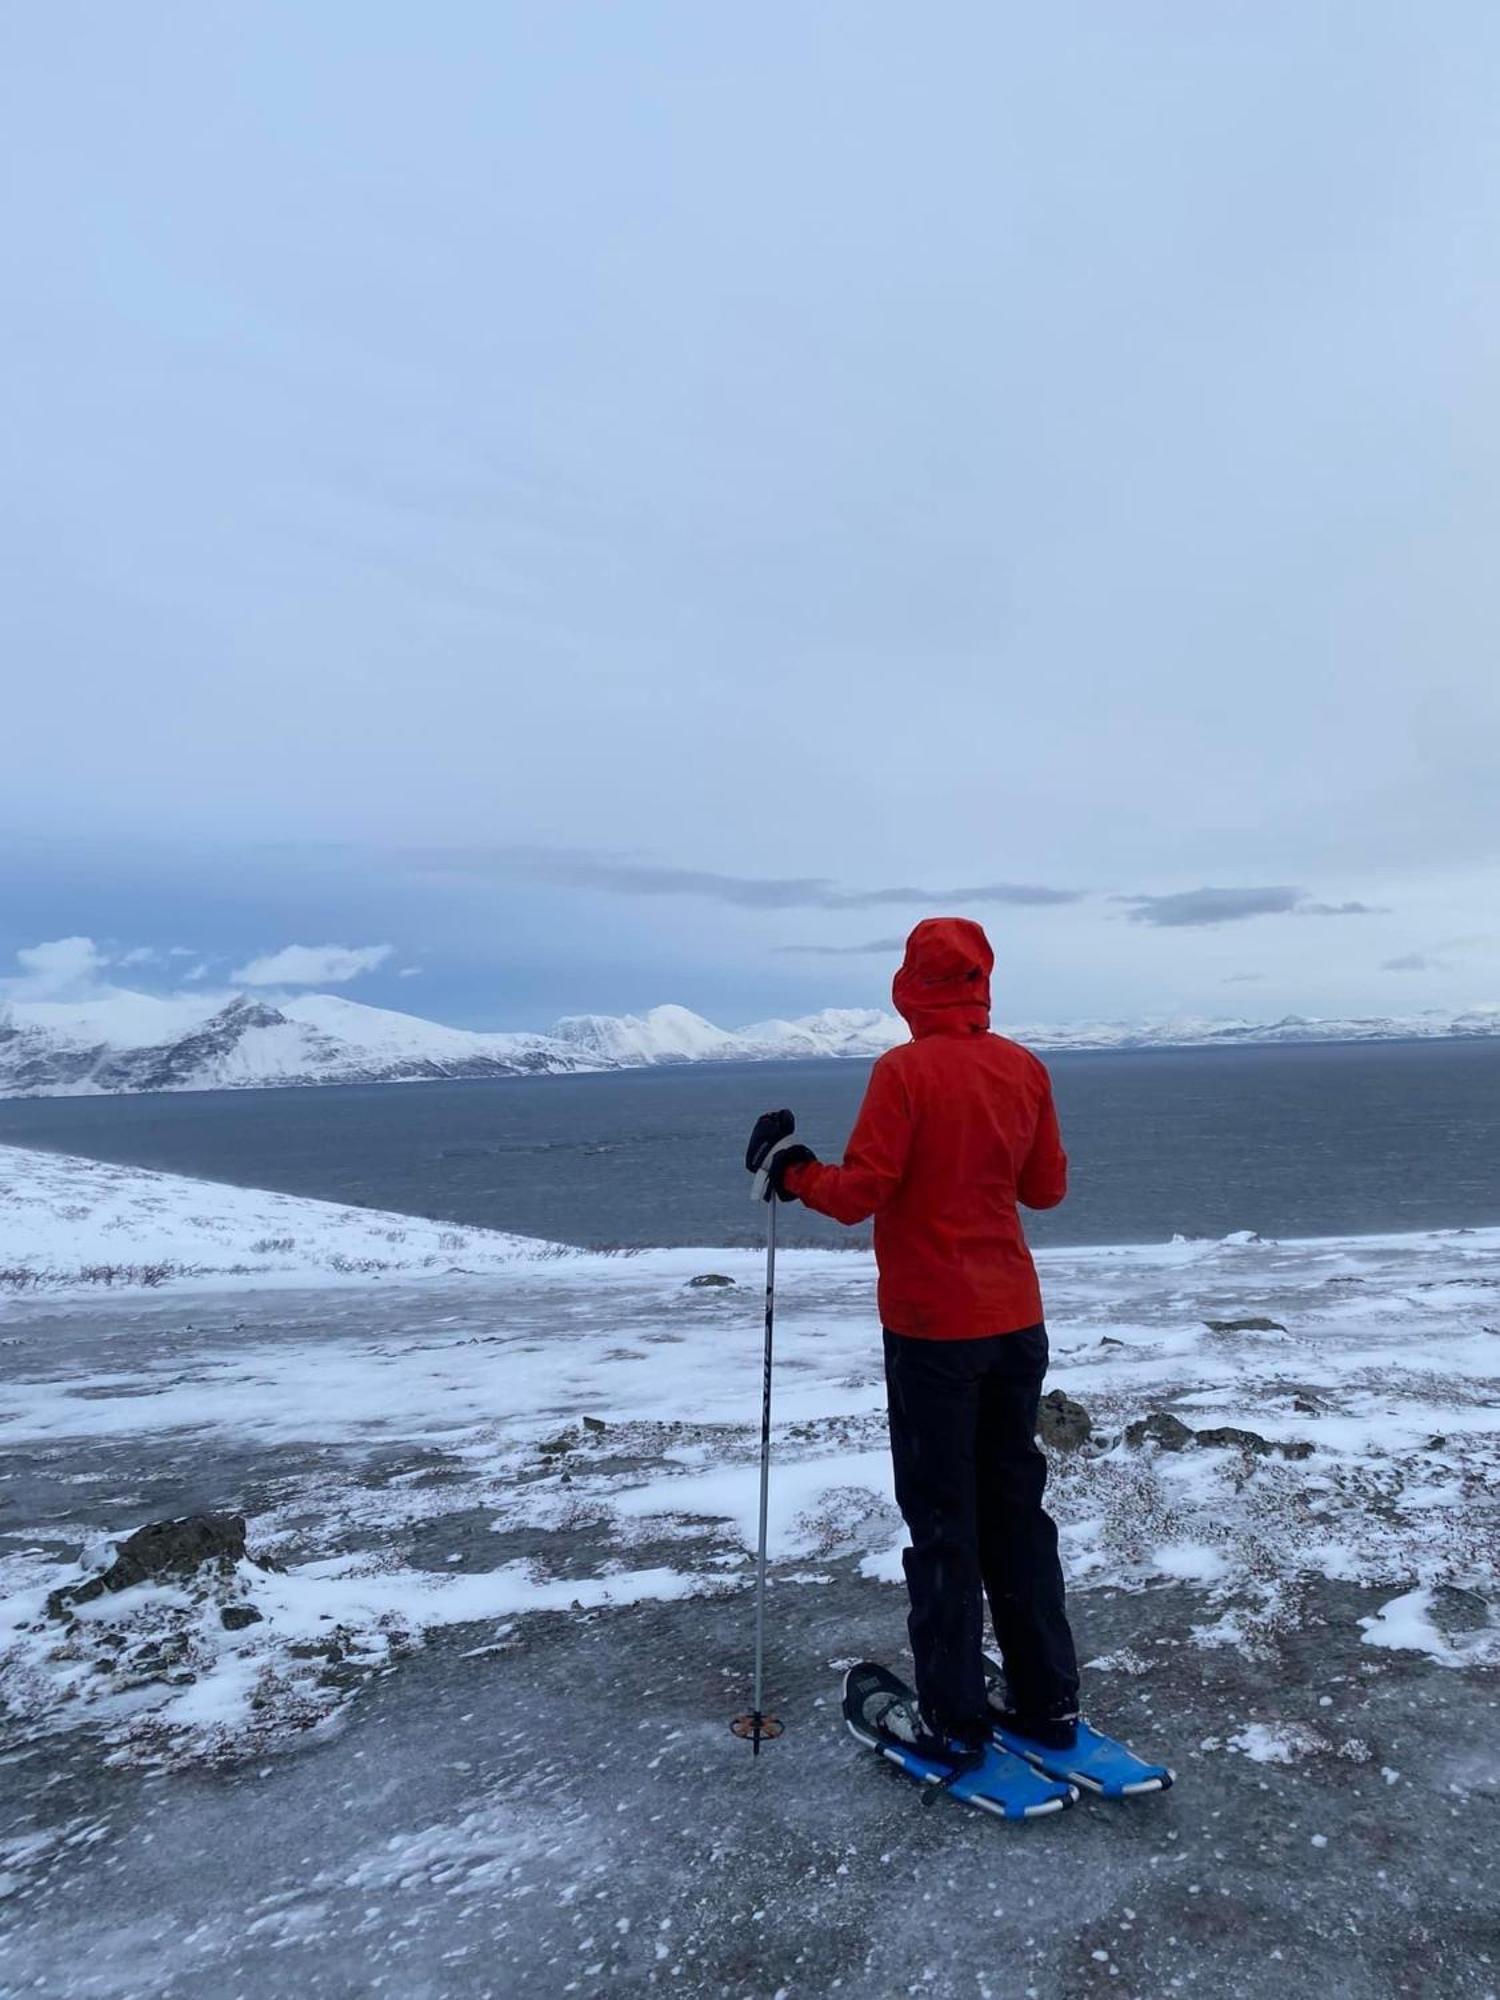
(579, 506)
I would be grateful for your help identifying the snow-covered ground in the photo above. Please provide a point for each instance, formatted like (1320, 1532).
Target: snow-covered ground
(557, 1429)
(68, 1223)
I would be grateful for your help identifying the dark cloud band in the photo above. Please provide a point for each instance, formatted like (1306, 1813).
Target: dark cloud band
(632, 878)
(1191, 907)
(883, 946)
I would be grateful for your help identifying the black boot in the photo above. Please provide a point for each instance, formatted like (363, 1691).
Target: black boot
(1055, 1726)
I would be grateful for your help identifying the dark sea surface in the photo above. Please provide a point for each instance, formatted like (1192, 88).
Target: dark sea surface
(1291, 1141)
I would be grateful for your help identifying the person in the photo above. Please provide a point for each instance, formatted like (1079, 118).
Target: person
(957, 1127)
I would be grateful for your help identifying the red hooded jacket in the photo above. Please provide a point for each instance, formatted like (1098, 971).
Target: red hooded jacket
(957, 1126)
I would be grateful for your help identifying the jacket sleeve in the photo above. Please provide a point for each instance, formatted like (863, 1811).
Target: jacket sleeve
(1043, 1179)
(874, 1159)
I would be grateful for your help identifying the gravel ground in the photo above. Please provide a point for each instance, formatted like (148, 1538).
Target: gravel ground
(552, 1803)
(571, 1815)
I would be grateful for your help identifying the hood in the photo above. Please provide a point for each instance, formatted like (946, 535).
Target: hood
(943, 987)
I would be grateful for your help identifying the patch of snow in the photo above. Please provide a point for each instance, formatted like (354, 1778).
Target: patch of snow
(815, 1503)
(67, 1223)
(1190, 1562)
(1405, 1625)
(1124, 1660)
(156, 1669)
(1279, 1742)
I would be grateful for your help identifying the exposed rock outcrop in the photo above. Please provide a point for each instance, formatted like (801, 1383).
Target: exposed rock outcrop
(162, 1548)
(1170, 1433)
(1161, 1428)
(1062, 1424)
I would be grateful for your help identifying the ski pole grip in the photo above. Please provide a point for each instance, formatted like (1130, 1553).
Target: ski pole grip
(770, 1129)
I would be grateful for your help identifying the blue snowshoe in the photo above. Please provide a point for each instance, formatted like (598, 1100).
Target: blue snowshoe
(1093, 1760)
(881, 1711)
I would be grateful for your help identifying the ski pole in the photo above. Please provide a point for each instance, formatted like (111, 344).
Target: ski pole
(757, 1725)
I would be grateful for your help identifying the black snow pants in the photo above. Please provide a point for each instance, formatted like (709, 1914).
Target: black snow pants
(969, 1482)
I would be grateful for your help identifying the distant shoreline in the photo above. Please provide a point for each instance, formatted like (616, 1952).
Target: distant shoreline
(126, 1044)
(771, 1059)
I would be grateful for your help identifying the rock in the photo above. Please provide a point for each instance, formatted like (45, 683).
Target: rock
(1252, 1325)
(1160, 1428)
(177, 1548)
(595, 1424)
(343, 1675)
(1172, 1434)
(1062, 1423)
(554, 1447)
(1227, 1436)
(1455, 1611)
(1108, 1340)
(161, 1548)
(708, 1281)
(235, 1617)
(1437, 1442)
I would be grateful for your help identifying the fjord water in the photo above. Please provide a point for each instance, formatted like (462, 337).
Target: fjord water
(1302, 1140)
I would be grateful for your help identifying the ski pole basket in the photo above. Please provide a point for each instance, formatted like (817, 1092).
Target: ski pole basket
(756, 1728)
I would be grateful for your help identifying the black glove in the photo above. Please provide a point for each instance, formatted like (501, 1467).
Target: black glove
(770, 1127)
(782, 1158)
(771, 1151)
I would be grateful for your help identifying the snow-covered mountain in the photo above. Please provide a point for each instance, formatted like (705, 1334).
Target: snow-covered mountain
(50, 1050)
(1189, 1032)
(674, 1035)
(123, 1041)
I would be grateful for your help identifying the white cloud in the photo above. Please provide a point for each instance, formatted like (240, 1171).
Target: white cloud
(55, 969)
(312, 965)
(143, 954)
(409, 972)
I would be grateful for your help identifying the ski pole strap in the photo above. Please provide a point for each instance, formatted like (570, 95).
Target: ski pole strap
(762, 1188)
(772, 1131)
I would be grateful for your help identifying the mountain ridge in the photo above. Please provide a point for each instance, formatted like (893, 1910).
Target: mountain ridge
(123, 1043)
